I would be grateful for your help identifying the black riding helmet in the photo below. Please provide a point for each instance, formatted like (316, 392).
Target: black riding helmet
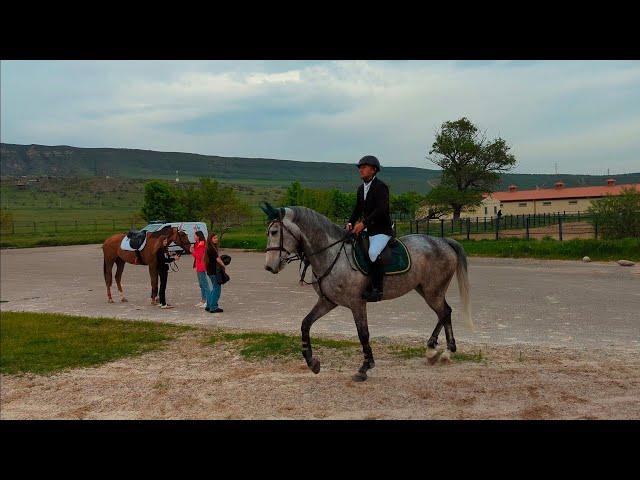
(369, 160)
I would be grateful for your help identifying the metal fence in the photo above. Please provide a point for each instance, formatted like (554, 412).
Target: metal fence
(558, 225)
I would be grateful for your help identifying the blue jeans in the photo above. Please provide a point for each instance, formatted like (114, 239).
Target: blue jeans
(205, 286)
(214, 293)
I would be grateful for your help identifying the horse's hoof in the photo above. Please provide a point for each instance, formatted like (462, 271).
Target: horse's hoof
(123, 300)
(359, 377)
(432, 355)
(315, 365)
(110, 300)
(445, 357)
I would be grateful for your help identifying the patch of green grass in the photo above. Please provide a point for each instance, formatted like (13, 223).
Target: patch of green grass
(469, 357)
(255, 345)
(45, 343)
(405, 351)
(602, 250)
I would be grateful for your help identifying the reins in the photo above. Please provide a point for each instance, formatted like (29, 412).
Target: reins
(304, 259)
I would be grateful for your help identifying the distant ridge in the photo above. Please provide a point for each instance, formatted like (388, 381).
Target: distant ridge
(68, 161)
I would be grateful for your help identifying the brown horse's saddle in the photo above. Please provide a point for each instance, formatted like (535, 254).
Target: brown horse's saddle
(395, 256)
(136, 238)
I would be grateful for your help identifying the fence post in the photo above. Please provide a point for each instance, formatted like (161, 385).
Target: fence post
(442, 227)
(560, 227)
(417, 230)
(485, 224)
(452, 223)
(468, 227)
(527, 229)
(497, 227)
(477, 229)
(595, 224)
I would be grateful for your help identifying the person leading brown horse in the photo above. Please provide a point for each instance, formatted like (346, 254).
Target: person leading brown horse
(114, 254)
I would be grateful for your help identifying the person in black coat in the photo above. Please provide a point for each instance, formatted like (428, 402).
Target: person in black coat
(164, 258)
(372, 205)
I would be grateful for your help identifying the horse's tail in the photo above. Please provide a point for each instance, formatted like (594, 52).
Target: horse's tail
(463, 280)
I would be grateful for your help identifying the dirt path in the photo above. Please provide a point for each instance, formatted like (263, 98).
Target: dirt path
(192, 380)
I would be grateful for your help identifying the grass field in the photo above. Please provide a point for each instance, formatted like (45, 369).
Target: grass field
(44, 343)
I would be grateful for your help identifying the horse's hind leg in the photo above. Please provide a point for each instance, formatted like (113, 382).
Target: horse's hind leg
(360, 317)
(107, 267)
(119, 268)
(439, 305)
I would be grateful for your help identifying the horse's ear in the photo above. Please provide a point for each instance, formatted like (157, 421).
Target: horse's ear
(271, 212)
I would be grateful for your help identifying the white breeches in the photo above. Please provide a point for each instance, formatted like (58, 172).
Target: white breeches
(377, 244)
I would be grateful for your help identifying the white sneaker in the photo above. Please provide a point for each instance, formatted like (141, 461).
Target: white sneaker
(204, 304)
(166, 306)
(200, 304)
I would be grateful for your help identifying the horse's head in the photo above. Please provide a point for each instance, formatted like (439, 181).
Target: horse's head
(180, 238)
(283, 238)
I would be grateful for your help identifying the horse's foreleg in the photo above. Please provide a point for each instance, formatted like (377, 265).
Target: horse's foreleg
(360, 317)
(322, 307)
(107, 270)
(153, 274)
(119, 269)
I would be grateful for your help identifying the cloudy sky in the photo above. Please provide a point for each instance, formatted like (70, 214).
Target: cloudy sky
(584, 115)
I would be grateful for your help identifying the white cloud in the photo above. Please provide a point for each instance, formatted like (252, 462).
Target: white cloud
(573, 112)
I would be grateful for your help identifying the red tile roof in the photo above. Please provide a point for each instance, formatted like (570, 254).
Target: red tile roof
(557, 193)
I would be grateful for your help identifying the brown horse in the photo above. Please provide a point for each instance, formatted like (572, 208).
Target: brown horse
(114, 254)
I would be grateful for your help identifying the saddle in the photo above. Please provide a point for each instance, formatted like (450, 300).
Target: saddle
(395, 256)
(136, 238)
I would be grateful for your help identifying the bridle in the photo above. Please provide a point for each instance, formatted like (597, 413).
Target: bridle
(299, 254)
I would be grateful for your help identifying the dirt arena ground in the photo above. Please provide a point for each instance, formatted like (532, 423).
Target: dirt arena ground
(560, 340)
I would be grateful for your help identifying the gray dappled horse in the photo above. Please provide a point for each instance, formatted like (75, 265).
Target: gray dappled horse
(300, 233)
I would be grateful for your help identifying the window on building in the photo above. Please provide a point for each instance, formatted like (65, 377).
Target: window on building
(546, 203)
(495, 209)
(524, 204)
(573, 202)
(485, 210)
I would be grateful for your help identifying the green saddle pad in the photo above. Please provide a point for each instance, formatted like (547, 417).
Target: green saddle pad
(395, 257)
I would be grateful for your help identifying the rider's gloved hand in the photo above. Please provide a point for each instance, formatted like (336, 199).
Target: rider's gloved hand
(348, 227)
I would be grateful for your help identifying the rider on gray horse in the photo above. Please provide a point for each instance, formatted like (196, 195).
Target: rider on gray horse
(373, 206)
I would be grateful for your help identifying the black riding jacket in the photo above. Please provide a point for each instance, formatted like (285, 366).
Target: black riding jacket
(375, 209)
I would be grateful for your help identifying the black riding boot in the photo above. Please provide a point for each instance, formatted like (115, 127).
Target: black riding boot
(377, 276)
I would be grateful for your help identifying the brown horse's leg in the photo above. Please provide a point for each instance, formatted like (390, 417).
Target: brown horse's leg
(108, 267)
(119, 269)
(153, 273)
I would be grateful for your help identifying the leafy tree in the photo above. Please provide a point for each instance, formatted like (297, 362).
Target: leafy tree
(471, 165)
(406, 203)
(293, 195)
(618, 216)
(161, 202)
(221, 206)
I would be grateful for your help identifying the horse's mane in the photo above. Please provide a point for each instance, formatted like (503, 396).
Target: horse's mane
(312, 220)
(164, 231)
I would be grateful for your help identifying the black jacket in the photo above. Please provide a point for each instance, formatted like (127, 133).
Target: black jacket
(375, 209)
(163, 259)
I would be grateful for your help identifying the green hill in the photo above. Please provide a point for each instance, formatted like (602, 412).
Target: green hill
(66, 161)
